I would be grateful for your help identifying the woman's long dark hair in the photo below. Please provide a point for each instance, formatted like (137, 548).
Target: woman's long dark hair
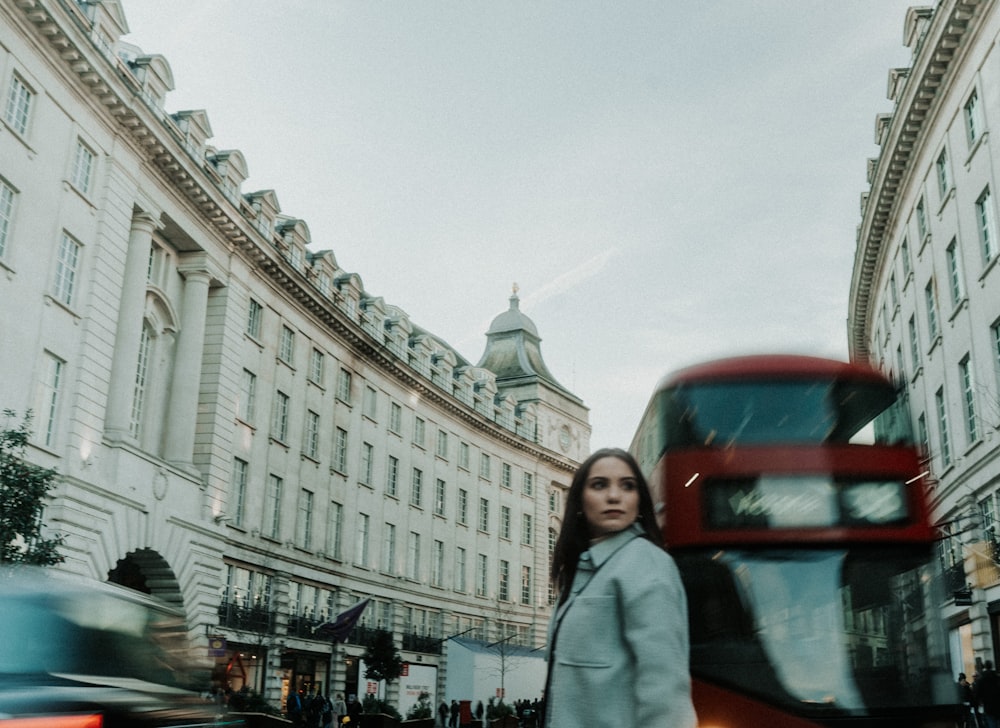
(574, 538)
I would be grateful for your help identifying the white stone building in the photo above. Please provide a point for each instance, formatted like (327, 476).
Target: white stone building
(238, 426)
(925, 293)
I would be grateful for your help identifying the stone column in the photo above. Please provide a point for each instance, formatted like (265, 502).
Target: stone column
(129, 329)
(182, 409)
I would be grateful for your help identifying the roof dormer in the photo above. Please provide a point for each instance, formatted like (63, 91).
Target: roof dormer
(265, 207)
(231, 166)
(195, 129)
(155, 76)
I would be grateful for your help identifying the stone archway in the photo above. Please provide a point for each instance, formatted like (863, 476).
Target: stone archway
(146, 571)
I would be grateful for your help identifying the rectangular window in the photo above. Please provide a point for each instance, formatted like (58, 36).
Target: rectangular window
(344, 386)
(506, 475)
(460, 585)
(932, 318)
(83, 167)
(528, 484)
(922, 228)
(392, 477)
(316, 364)
(439, 496)
(279, 425)
(248, 397)
(943, 175)
(416, 487)
(481, 583)
(336, 531)
(312, 435)
(272, 507)
(141, 380)
(554, 501)
(987, 225)
(484, 515)
(973, 119)
(505, 522)
(463, 455)
(413, 557)
(395, 417)
(904, 254)
(923, 438)
(340, 450)
(503, 593)
(484, 466)
(526, 585)
(19, 98)
(286, 345)
(6, 214)
(956, 284)
(303, 523)
(389, 549)
(943, 439)
(367, 454)
(361, 554)
(969, 398)
(462, 516)
(437, 564)
(370, 404)
(911, 326)
(255, 315)
(441, 449)
(419, 431)
(48, 405)
(239, 494)
(66, 269)
(527, 533)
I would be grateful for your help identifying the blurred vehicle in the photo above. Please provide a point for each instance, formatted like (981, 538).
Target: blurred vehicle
(81, 654)
(795, 503)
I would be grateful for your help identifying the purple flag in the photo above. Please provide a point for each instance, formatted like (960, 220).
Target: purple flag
(341, 627)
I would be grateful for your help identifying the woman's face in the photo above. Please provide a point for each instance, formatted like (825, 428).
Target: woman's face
(610, 497)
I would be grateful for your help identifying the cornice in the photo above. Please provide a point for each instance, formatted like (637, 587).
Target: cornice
(937, 50)
(108, 79)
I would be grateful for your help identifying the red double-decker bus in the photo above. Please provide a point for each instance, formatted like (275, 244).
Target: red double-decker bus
(793, 500)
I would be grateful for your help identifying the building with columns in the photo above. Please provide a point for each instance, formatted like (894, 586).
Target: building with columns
(925, 293)
(239, 427)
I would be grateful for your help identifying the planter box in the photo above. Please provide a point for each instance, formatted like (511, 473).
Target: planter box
(261, 720)
(417, 723)
(508, 721)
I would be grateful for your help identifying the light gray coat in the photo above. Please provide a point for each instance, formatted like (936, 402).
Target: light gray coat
(618, 646)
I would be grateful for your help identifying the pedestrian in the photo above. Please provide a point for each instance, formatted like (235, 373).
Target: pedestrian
(479, 713)
(618, 639)
(443, 714)
(338, 709)
(968, 700)
(987, 694)
(294, 706)
(455, 710)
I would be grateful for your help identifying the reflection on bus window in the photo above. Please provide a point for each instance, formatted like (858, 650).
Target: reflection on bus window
(723, 414)
(829, 631)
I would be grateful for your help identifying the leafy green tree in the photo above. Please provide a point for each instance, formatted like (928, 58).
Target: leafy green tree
(382, 659)
(23, 487)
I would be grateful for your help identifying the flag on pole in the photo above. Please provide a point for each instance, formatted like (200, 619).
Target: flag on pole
(342, 625)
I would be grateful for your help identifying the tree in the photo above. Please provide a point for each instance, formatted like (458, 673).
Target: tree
(382, 660)
(23, 487)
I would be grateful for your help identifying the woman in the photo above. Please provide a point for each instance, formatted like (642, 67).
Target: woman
(618, 640)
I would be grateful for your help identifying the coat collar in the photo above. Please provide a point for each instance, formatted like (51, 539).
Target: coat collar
(592, 558)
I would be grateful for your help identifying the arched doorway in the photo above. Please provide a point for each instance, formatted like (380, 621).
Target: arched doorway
(144, 570)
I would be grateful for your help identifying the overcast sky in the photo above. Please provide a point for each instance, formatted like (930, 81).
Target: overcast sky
(666, 181)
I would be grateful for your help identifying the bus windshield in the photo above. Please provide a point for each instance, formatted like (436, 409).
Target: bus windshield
(795, 411)
(822, 632)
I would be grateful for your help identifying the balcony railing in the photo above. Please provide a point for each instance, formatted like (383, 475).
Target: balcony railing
(303, 626)
(422, 643)
(364, 636)
(255, 618)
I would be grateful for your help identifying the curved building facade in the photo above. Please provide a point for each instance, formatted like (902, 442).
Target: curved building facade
(925, 293)
(239, 427)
